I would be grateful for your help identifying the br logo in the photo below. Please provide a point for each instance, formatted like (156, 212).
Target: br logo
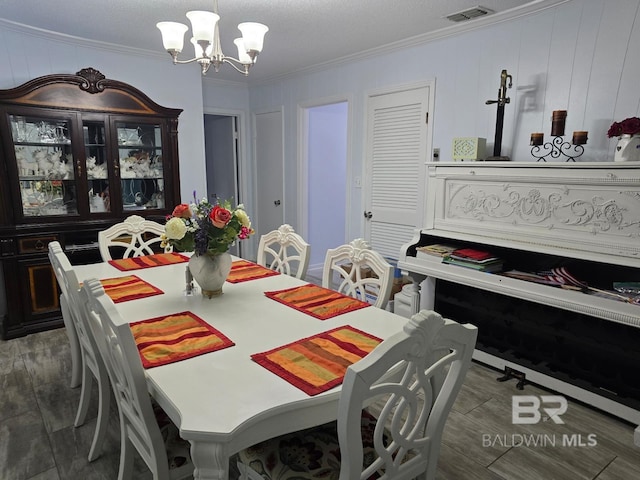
(526, 409)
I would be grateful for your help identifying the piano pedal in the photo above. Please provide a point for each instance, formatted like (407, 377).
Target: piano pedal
(510, 373)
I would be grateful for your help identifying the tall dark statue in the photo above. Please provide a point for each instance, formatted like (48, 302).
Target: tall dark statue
(501, 101)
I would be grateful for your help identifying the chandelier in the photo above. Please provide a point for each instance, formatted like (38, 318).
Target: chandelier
(206, 41)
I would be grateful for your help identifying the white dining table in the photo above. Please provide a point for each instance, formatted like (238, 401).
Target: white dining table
(223, 401)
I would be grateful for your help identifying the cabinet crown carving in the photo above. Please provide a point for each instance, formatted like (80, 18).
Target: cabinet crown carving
(94, 80)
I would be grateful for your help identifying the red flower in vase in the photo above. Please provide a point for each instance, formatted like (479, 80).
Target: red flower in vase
(628, 126)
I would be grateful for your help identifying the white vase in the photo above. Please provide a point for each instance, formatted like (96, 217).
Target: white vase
(210, 272)
(627, 149)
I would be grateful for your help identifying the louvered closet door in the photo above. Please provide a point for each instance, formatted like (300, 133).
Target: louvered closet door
(396, 154)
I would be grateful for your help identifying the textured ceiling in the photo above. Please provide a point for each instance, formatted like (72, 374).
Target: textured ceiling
(302, 33)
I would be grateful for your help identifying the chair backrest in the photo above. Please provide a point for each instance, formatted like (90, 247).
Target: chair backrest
(120, 355)
(429, 361)
(70, 287)
(59, 261)
(361, 272)
(134, 237)
(284, 251)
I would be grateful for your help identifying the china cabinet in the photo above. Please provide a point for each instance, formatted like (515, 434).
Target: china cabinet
(78, 154)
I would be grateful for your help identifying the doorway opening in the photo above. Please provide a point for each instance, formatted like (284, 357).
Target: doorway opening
(324, 184)
(221, 152)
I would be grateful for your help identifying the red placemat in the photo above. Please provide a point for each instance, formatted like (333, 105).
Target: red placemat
(130, 287)
(243, 270)
(146, 261)
(175, 337)
(317, 301)
(318, 363)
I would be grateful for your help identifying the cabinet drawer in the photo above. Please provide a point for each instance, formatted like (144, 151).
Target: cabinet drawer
(35, 244)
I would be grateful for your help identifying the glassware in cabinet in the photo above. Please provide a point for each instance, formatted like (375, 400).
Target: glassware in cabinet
(45, 165)
(96, 166)
(140, 165)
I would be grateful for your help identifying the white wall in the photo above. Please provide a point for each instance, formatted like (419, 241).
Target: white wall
(578, 56)
(26, 54)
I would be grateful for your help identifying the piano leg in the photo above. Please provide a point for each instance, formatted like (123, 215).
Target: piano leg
(415, 296)
(428, 293)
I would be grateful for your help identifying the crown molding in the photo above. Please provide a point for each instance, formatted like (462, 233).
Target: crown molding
(530, 8)
(73, 40)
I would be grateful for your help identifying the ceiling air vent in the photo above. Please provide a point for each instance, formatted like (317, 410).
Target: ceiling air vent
(469, 14)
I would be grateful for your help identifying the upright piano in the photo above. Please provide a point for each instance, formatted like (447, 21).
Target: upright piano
(583, 217)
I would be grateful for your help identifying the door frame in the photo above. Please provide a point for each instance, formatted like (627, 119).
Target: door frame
(243, 166)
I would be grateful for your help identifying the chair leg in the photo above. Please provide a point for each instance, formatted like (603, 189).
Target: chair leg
(85, 395)
(125, 470)
(74, 343)
(104, 401)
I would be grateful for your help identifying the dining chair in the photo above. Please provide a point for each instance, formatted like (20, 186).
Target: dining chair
(284, 251)
(410, 380)
(74, 344)
(70, 329)
(133, 237)
(356, 270)
(91, 365)
(143, 425)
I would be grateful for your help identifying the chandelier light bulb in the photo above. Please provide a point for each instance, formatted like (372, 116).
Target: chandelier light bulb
(203, 24)
(243, 56)
(172, 35)
(253, 35)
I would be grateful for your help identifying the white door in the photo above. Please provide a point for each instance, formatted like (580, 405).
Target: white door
(269, 157)
(396, 152)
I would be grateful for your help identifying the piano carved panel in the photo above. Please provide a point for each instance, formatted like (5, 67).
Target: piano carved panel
(591, 209)
(562, 207)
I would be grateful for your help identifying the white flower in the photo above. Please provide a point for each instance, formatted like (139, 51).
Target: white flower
(243, 218)
(175, 229)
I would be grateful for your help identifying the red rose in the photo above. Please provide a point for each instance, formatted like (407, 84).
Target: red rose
(182, 211)
(628, 126)
(631, 126)
(615, 130)
(219, 216)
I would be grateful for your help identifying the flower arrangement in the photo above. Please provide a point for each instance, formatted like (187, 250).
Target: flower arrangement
(204, 228)
(628, 126)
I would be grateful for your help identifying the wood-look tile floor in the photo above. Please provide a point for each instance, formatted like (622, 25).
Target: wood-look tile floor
(38, 440)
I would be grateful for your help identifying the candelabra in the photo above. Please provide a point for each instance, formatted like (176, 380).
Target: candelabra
(558, 147)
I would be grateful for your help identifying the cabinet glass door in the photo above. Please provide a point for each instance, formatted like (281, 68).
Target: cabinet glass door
(45, 164)
(96, 167)
(141, 169)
